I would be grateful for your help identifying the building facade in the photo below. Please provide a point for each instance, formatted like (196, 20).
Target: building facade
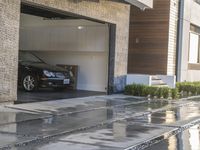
(115, 13)
(164, 43)
(188, 67)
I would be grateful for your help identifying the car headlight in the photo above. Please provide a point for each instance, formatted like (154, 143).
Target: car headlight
(48, 73)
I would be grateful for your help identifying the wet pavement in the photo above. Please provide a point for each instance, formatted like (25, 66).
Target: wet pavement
(48, 94)
(114, 122)
(186, 140)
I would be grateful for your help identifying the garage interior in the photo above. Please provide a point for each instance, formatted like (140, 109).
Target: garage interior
(67, 40)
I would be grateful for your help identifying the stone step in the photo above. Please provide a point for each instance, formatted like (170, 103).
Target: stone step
(156, 81)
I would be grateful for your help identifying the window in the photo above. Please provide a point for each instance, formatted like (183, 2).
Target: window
(194, 48)
(194, 44)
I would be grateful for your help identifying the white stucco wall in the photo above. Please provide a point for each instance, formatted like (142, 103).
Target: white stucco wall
(190, 16)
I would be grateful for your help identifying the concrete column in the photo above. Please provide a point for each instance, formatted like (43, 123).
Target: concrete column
(9, 39)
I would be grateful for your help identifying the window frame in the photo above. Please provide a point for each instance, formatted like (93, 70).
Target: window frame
(198, 55)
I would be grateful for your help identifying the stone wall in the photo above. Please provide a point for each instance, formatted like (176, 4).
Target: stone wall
(103, 10)
(9, 37)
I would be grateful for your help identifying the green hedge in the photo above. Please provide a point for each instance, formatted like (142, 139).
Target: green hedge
(188, 88)
(151, 91)
(183, 89)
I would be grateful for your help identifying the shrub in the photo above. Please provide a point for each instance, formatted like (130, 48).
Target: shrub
(192, 88)
(166, 92)
(128, 90)
(139, 89)
(144, 90)
(153, 91)
(160, 93)
(174, 93)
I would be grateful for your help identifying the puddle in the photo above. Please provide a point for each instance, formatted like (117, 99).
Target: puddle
(171, 116)
(186, 140)
(73, 105)
(8, 139)
(148, 106)
(62, 145)
(120, 134)
(57, 124)
(115, 136)
(68, 122)
(10, 116)
(131, 99)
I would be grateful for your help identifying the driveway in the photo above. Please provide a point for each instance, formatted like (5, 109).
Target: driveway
(52, 94)
(114, 122)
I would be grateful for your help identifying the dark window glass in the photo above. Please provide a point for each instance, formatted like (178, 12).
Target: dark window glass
(195, 29)
(198, 1)
(29, 57)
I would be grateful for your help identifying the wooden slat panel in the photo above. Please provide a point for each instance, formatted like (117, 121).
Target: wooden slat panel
(148, 40)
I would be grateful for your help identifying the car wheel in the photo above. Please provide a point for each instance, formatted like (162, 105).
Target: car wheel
(29, 83)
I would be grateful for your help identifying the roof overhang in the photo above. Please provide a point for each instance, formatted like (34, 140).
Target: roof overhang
(142, 4)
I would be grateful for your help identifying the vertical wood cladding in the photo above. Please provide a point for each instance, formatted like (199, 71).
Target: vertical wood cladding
(148, 39)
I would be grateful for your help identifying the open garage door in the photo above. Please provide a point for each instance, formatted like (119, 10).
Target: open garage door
(78, 45)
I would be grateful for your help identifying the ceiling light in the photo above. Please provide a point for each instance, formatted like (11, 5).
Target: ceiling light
(80, 27)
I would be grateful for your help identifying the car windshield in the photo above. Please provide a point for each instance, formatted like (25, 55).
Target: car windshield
(29, 57)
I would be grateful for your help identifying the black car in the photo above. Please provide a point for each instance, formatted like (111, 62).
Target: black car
(34, 73)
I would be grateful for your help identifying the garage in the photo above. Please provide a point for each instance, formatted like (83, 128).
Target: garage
(113, 15)
(77, 44)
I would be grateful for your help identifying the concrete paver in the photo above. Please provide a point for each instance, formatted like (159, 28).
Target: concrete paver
(172, 116)
(66, 123)
(7, 139)
(8, 115)
(186, 140)
(76, 104)
(99, 123)
(120, 134)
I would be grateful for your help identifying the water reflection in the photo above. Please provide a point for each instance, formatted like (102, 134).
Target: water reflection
(194, 138)
(186, 140)
(119, 130)
(171, 116)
